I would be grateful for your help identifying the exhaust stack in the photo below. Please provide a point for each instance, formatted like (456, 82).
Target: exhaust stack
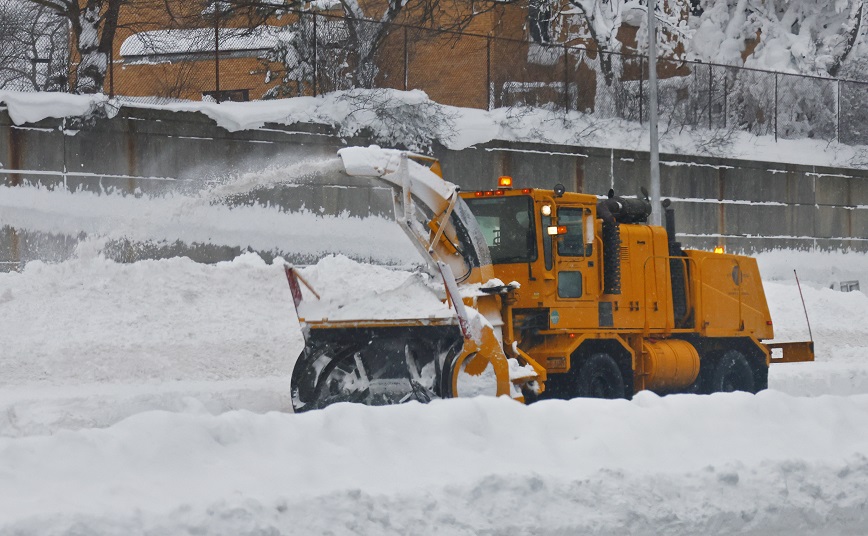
(670, 224)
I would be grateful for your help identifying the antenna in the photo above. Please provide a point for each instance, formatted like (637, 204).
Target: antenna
(808, 320)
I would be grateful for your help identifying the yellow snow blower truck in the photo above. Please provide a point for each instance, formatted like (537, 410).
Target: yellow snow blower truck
(553, 294)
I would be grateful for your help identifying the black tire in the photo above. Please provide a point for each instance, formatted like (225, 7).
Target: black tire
(600, 377)
(732, 373)
(761, 377)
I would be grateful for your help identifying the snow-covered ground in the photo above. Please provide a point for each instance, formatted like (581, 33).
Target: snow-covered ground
(152, 398)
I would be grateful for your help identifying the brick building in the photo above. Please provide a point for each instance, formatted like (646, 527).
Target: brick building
(508, 54)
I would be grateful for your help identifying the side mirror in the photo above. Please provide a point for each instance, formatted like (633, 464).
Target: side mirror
(589, 229)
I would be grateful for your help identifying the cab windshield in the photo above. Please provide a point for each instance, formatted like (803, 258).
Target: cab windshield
(507, 225)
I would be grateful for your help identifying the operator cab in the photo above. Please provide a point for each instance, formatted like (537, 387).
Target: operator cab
(508, 226)
(522, 226)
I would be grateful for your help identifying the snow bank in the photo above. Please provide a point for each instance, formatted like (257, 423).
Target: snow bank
(680, 465)
(815, 268)
(95, 321)
(90, 348)
(91, 333)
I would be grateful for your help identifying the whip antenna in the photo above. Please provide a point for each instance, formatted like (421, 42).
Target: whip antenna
(808, 320)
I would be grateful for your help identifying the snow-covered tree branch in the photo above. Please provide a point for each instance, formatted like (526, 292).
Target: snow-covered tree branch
(805, 36)
(33, 47)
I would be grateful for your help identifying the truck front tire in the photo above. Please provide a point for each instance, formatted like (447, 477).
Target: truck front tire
(732, 373)
(600, 377)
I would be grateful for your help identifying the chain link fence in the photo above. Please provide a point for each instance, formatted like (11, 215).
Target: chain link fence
(316, 53)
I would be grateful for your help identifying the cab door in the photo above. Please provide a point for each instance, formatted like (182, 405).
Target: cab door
(576, 275)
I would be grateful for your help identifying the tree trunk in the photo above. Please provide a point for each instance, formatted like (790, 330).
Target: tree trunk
(852, 35)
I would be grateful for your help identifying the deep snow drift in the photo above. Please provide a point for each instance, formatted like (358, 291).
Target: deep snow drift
(120, 385)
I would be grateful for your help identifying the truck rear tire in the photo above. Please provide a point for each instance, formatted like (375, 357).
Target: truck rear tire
(600, 377)
(732, 373)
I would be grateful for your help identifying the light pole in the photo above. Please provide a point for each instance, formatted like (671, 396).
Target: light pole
(656, 218)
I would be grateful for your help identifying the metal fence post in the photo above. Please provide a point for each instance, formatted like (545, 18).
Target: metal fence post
(838, 112)
(641, 88)
(710, 90)
(725, 98)
(776, 107)
(315, 52)
(489, 97)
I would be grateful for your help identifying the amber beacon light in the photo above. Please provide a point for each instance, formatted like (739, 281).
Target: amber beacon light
(504, 182)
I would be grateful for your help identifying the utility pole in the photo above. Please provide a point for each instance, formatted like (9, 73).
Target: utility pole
(656, 218)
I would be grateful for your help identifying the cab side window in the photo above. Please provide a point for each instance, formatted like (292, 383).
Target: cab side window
(573, 243)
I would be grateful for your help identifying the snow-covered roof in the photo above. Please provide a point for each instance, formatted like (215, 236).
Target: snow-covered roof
(193, 40)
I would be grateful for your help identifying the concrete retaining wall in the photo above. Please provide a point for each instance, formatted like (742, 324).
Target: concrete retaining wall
(745, 205)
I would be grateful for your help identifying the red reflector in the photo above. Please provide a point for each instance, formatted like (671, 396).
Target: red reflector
(478, 194)
(489, 192)
(768, 322)
(498, 192)
(572, 335)
(526, 190)
(562, 229)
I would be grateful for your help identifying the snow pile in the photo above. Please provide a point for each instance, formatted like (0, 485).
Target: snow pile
(680, 465)
(97, 321)
(353, 291)
(77, 332)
